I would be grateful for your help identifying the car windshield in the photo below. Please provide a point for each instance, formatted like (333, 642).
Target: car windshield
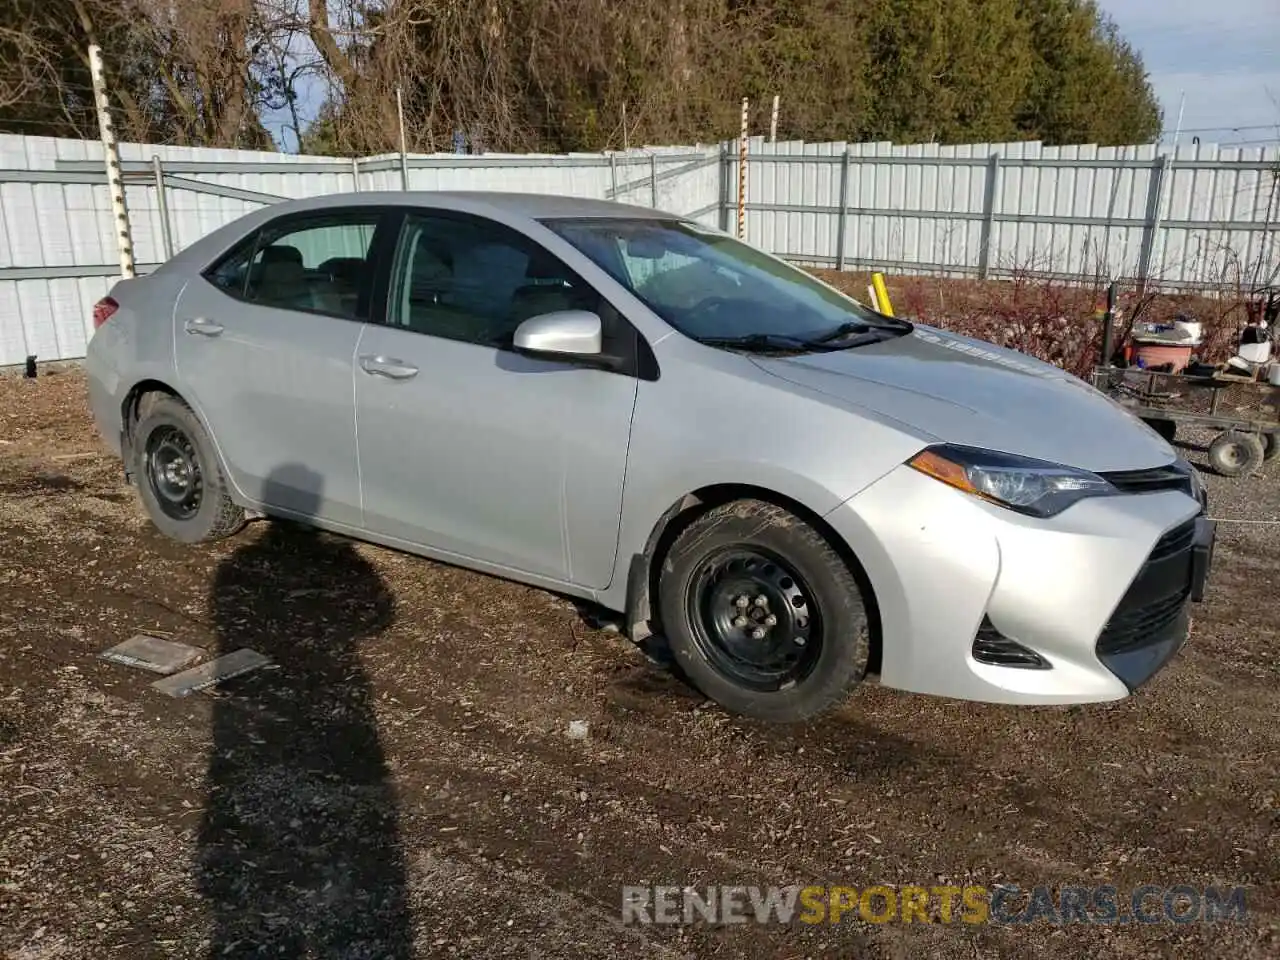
(717, 289)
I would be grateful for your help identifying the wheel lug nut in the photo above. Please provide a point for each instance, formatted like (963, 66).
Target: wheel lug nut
(770, 620)
(742, 602)
(757, 634)
(739, 622)
(800, 641)
(762, 601)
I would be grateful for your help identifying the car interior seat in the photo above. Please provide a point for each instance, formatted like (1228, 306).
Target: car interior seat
(281, 278)
(546, 289)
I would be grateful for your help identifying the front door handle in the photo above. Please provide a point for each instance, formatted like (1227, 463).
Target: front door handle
(202, 327)
(389, 367)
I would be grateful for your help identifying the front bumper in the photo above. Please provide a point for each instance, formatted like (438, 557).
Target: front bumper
(1099, 593)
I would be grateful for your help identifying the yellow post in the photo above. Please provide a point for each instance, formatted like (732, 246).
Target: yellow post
(882, 294)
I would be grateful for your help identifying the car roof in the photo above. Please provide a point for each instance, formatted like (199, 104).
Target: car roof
(535, 206)
(496, 205)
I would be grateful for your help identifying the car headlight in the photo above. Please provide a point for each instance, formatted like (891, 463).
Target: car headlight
(1034, 487)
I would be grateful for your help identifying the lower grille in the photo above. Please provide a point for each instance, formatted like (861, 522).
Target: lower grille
(1150, 624)
(1143, 626)
(1175, 541)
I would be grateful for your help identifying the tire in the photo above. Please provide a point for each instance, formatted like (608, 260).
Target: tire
(168, 433)
(814, 652)
(1270, 445)
(1234, 454)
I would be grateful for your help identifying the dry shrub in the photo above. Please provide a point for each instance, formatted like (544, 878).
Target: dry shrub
(1049, 320)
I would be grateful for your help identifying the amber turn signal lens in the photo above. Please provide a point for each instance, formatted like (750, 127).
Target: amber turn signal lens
(940, 468)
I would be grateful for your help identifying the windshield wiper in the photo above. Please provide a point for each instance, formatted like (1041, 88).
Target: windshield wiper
(866, 333)
(844, 330)
(759, 342)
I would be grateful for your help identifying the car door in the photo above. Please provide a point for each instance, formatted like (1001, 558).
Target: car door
(264, 346)
(469, 448)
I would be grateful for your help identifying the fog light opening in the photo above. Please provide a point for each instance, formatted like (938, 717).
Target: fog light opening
(993, 647)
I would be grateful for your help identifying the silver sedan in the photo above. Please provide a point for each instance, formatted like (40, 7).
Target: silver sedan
(790, 490)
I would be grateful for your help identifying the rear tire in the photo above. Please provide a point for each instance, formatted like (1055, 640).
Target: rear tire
(1235, 454)
(761, 613)
(179, 477)
(1270, 445)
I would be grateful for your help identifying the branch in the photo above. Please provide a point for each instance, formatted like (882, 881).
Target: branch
(321, 34)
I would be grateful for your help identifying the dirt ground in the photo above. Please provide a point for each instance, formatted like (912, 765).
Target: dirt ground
(401, 784)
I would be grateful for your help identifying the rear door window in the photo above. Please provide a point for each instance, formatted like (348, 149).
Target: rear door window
(317, 264)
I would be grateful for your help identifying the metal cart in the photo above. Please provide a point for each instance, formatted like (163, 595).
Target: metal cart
(1247, 412)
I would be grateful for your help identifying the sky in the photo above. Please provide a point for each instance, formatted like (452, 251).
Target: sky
(1225, 55)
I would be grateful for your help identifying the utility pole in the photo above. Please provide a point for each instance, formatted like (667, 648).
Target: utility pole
(1177, 131)
(111, 156)
(404, 155)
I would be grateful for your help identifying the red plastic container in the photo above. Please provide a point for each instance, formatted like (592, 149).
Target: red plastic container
(1150, 355)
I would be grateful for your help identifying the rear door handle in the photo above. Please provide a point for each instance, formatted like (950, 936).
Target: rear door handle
(389, 367)
(202, 327)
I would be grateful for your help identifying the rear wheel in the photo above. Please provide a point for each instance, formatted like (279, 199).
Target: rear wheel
(1270, 445)
(179, 478)
(1234, 454)
(763, 616)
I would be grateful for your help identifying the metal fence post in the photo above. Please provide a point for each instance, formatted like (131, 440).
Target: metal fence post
(724, 185)
(1152, 227)
(842, 224)
(613, 176)
(162, 206)
(355, 174)
(988, 216)
(653, 180)
(743, 141)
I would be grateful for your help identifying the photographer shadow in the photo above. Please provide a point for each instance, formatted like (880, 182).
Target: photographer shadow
(299, 849)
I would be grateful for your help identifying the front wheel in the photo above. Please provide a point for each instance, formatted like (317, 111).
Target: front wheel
(762, 614)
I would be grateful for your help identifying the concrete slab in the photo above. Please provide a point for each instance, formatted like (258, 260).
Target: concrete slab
(153, 654)
(210, 674)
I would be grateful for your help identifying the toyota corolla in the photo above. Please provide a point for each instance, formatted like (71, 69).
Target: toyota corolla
(790, 489)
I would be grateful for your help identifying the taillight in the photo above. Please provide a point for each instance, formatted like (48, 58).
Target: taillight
(103, 311)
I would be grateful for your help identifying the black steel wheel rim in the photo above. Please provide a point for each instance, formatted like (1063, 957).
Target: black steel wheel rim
(754, 619)
(173, 472)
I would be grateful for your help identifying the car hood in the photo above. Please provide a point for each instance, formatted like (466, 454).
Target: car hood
(961, 390)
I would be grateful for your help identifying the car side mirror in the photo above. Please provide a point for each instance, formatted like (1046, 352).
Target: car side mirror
(562, 333)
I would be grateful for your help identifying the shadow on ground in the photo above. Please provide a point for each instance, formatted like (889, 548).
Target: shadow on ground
(299, 851)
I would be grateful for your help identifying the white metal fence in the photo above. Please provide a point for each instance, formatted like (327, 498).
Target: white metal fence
(1201, 218)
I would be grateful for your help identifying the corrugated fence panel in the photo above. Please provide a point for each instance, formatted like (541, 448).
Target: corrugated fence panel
(1199, 217)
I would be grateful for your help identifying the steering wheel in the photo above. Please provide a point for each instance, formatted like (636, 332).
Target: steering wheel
(709, 307)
